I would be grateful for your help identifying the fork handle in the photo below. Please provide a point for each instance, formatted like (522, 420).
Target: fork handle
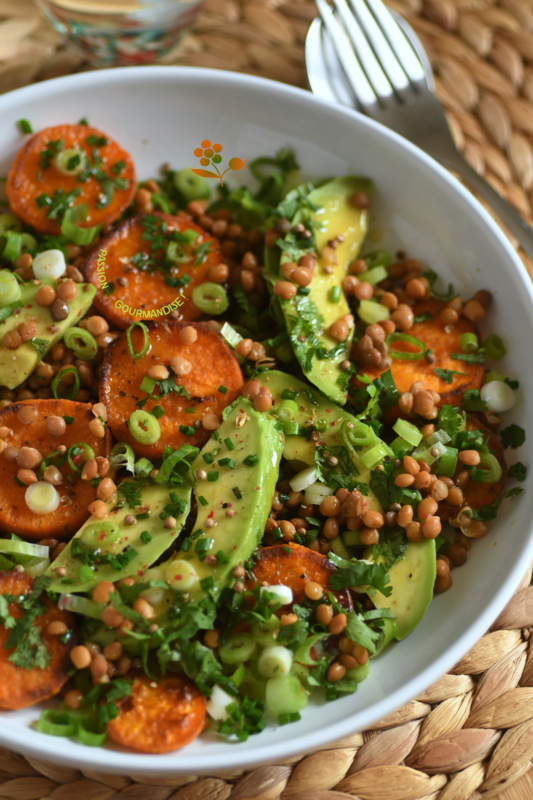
(511, 218)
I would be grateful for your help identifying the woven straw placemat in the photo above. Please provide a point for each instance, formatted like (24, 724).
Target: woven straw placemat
(470, 735)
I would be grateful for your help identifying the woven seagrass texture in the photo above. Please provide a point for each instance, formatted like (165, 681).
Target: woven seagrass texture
(469, 736)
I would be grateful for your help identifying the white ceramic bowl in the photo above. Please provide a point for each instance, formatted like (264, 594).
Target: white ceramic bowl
(162, 114)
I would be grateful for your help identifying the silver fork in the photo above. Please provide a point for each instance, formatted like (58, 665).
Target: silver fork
(358, 55)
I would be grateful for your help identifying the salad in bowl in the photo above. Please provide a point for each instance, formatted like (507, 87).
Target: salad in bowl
(240, 451)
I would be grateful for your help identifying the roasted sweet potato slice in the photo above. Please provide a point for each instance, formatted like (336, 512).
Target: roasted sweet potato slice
(213, 366)
(431, 332)
(34, 175)
(15, 516)
(294, 565)
(479, 494)
(150, 282)
(159, 716)
(19, 687)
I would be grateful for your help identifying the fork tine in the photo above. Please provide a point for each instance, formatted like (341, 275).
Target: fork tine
(404, 53)
(364, 52)
(382, 48)
(361, 88)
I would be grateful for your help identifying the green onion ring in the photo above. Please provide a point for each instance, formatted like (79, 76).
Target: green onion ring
(77, 470)
(405, 337)
(144, 427)
(91, 734)
(56, 723)
(89, 347)
(72, 393)
(210, 298)
(144, 350)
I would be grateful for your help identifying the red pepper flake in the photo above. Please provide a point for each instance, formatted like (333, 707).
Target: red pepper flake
(211, 515)
(328, 410)
(140, 573)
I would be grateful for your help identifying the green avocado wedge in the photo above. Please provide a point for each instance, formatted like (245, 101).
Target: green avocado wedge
(234, 501)
(17, 365)
(412, 581)
(147, 538)
(316, 412)
(327, 209)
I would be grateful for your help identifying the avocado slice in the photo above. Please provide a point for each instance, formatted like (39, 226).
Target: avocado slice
(156, 496)
(334, 216)
(412, 581)
(301, 451)
(244, 491)
(17, 365)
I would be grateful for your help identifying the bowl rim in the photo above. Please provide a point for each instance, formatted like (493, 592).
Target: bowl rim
(132, 763)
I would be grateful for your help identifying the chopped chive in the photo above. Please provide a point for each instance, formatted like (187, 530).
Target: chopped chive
(207, 583)
(157, 412)
(304, 290)
(69, 420)
(203, 501)
(251, 460)
(221, 557)
(237, 492)
(288, 394)
(335, 294)
(25, 126)
(190, 410)
(146, 537)
(186, 544)
(222, 389)
(203, 545)
(144, 515)
(19, 483)
(187, 430)
(83, 121)
(287, 549)
(196, 534)
(228, 462)
(229, 444)
(276, 535)
(208, 458)
(212, 476)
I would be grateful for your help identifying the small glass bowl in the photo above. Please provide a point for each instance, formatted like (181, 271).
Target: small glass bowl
(118, 33)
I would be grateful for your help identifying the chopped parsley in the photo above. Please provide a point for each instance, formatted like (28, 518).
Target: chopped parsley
(130, 493)
(41, 345)
(447, 374)
(518, 471)
(514, 436)
(357, 573)
(24, 635)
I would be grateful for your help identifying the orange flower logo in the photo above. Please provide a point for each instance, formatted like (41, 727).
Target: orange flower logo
(209, 154)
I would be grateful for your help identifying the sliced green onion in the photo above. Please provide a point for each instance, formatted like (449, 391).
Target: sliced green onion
(263, 631)
(24, 548)
(144, 427)
(237, 648)
(36, 567)
(335, 294)
(13, 246)
(70, 456)
(9, 223)
(490, 465)
(143, 468)
(186, 451)
(361, 673)
(85, 574)
(285, 695)
(146, 342)
(400, 354)
(274, 661)
(378, 258)
(88, 348)
(303, 654)
(91, 733)
(373, 276)
(80, 605)
(191, 186)
(287, 410)
(230, 335)
(439, 436)
(72, 392)
(448, 462)
(302, 480)
(56, 723)
(408, 431)
(291, 428)
(99, 534)
(376, 454)
(469, 343)
(175, 252)
(210, 298)
(426, 455)
(121, 456)
(9, 288)
(70, 161)
(357, 434)
(80, 236)
(399, 444)
(494, 347)
(371, 312)
(42, 498)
